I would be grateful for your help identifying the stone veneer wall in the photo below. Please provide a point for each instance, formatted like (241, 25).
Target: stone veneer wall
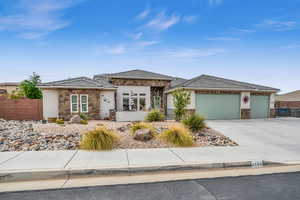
(245, 113)
(272, 113)
(64, 105)
(139, 82)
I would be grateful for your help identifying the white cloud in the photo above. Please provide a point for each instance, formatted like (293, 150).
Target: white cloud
(147, 43)
(195, 53)
(223, 39)
(190, 18)
(36, 18)
(136, 36)
(278, 25)
(162, 21)
(215, 2)
(120, 49)
(143, 14)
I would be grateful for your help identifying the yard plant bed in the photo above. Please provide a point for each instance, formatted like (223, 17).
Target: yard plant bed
(35, 136)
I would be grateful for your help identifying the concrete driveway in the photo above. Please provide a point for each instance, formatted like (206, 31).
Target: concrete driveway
(279, 138)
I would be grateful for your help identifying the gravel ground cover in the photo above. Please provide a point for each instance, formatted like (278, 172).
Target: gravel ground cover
(35, 136)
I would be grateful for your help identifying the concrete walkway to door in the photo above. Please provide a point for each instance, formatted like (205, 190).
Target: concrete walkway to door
(274, 139)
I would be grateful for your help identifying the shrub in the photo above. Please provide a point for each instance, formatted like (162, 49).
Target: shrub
(142, 125)
(60, 121)
(181, 99)
(16, 94)
(155, 115)
(85, 122)
(29, 87)
(194, 122)
(83, 116)
(177, 135)
(99, 139)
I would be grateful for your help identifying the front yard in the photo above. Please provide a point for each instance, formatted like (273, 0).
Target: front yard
(35, 136)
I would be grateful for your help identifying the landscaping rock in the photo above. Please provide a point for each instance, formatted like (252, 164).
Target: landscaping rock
(75, 119)
(20, 136)
(143, 135)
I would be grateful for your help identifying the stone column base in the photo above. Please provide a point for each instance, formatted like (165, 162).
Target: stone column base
(245, 113)
(272, 113)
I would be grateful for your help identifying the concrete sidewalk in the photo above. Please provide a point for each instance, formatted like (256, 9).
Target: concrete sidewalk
(14, 165)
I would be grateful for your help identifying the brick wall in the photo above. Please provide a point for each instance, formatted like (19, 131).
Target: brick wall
(288, 104)
(21, 109)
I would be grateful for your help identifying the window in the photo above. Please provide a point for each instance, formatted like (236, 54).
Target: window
(142, 101)
(125, 102)
(74, 103)
(156, 102)
(134, 102)
(84, 106)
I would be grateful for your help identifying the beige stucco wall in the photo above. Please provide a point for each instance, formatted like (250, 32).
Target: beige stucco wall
(9, 89)
(243, 104)
(192, 104)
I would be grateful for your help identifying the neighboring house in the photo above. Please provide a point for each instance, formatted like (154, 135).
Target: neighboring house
(219, 98)
(129, 95)
(9, 86)
(288, 104)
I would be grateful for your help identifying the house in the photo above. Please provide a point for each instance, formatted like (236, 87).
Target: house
(9, 87)
(288, 104)
(129, 95)
(124, 96)
(219, 98)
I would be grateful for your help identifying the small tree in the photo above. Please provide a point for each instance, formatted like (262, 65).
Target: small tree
(29, 87)
(181, 99)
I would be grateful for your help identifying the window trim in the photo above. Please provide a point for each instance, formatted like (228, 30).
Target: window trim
(87, 103)
(71, 103)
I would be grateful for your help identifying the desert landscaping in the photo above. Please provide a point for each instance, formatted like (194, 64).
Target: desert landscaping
(36, 136)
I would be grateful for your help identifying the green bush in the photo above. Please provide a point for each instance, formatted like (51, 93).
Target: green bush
(60, 121)
(99, 139)
(177, 135)
(155, 115)
(194, 122)
(181, 98)
(83, 116)
(142, 125)
(85, 122)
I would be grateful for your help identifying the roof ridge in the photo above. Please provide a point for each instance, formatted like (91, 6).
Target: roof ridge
(296, 91)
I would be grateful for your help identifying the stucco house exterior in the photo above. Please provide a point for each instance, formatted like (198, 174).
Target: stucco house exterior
(288, 104)
(9, 87)
(130, 95)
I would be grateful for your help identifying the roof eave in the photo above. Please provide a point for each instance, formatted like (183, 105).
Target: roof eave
(222, 89)
(75, 87)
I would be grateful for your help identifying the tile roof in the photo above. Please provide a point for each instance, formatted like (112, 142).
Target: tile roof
(177, 81)
(212, 82)
(10, 84)
(291, 96)
(79, 82)
(136, 74)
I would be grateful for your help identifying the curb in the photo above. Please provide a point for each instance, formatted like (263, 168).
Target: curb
(13, 176)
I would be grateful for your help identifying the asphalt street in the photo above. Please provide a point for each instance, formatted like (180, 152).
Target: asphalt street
(265, 187)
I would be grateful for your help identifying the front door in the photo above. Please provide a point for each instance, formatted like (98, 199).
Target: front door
(107, 102)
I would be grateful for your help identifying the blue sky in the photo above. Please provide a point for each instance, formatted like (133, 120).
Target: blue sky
(248, 40)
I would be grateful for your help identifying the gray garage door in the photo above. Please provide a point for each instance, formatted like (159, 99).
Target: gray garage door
(218, 106)
(259, 106)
